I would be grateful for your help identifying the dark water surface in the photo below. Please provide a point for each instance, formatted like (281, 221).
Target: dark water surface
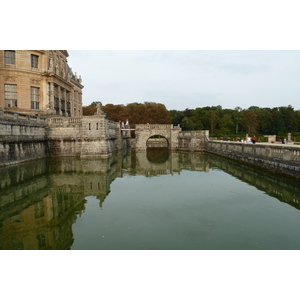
(147, 200)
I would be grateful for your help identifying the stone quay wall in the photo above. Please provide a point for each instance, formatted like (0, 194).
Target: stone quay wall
(26, 137)
(282, 158)
(192, 140)
(22, 137)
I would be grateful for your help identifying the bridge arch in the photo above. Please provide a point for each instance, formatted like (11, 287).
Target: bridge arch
(157, 141)
(177, 139)
(144, 132)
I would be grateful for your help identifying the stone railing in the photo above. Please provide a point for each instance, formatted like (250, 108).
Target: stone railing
(282, 158)
(195, 133)
(63, 121)
(154, 126)
(14, 116)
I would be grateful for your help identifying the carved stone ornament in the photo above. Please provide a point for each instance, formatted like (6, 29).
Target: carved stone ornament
(35, 81)
(10, 78)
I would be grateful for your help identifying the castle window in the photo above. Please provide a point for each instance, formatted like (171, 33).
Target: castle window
(34, 61)
(35, 97)
(10, 91)
(69, 108)
(41, 240)
(10, 57)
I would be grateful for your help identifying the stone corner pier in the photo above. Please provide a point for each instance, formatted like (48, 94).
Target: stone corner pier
(282, 158)
(84, 136)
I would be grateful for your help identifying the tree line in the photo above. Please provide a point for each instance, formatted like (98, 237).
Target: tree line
(233, 122)
(220, 122)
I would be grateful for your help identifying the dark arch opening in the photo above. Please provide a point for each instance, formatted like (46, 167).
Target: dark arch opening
(157, 141)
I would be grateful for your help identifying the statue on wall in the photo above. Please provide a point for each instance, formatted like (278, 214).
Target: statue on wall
(50, 64)
(99, 112)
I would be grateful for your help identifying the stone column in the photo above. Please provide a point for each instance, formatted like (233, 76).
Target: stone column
(51, 98)
(65, 98)
(75, 102)
(69, 101)
(79, 104)
(59, 99)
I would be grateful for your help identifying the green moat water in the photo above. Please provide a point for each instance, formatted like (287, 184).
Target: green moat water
(147, 200)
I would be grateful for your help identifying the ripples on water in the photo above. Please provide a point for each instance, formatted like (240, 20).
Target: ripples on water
(147, 200)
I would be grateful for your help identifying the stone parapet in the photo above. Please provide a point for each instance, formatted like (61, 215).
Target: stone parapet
(277, 157)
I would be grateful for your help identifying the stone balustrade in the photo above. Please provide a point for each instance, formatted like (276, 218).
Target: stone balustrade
(153, 126)
(283, 158)
(20, 117)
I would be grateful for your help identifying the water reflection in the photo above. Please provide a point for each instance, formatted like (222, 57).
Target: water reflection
(158, 155)
(41, 200)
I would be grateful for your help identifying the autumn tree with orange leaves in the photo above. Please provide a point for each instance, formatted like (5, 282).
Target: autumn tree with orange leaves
(136, 113)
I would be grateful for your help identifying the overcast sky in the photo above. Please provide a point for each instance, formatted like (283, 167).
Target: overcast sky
(195, 65)
(183, 79)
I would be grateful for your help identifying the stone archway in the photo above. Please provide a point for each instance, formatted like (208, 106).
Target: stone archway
(145, 131)
(157, 141)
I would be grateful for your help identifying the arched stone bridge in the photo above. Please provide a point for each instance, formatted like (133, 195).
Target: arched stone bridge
(145, 131)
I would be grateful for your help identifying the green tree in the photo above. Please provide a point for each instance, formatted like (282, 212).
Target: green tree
(251, 121)
(95, 103)
(176, 116)
(236, 115)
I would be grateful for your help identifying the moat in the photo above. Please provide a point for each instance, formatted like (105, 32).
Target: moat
(154, 199)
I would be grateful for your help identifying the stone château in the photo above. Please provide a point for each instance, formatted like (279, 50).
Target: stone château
(39, 82)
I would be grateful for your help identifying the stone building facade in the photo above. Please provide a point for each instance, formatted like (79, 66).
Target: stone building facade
(39, 82)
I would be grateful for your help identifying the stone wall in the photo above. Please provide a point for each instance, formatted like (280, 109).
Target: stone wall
(192, 140)
(84, 136)
(22, 137)
(25, 137)
(281, 158)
